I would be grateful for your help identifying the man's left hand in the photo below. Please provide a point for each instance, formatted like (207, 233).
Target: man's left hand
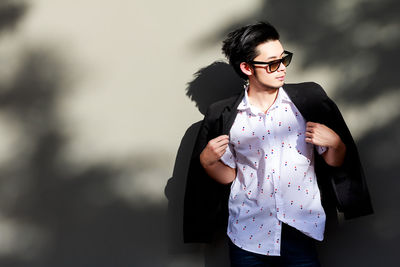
(321, 135)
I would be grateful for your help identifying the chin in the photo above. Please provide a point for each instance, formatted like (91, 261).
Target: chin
(273, 85)
(280, 84)
(276, 85)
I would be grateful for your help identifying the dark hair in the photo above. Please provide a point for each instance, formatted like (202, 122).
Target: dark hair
(240, 44)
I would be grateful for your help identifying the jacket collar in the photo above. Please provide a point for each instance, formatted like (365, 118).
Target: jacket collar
(229, 113)
(303, 100)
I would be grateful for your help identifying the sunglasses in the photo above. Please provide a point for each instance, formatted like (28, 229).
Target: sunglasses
(273, 66)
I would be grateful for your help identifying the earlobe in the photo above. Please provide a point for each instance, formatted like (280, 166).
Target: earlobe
(246, 68)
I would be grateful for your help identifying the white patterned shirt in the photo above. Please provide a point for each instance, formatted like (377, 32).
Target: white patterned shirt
(275, 180)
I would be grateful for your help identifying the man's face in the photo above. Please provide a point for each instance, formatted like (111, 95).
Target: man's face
(267, 52)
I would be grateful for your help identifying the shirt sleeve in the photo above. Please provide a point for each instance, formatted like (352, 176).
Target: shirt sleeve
(228, 158)
(321, 149)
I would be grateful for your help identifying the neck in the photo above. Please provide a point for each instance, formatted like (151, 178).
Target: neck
(262, 97)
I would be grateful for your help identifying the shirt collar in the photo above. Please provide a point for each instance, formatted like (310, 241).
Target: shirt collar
(245, 103)
(284, 96)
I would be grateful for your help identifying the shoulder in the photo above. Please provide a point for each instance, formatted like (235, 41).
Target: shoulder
(308, 89)
(218, 106)
(311, 100)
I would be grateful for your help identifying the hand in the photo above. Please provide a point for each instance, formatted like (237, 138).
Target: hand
(321, 135)
(214, 150)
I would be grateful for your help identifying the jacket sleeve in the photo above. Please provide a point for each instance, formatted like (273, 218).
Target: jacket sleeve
(348, 181)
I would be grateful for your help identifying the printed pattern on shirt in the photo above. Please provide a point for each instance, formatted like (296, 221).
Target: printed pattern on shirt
(275, 179)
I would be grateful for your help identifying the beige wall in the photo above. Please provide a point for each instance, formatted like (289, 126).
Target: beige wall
(127, 65)
(116, 72)
(105, 124)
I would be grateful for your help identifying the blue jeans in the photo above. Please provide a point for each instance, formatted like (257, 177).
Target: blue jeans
(297, 250)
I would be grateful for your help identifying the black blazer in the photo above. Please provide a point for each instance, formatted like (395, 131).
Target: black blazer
(342, 188)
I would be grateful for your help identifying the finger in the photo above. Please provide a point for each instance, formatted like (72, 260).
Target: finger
(216, 145)
(311, 124)
(222, 137)
(309, 140)
(222, 142)
(218, 139)
(308, 134)
(311, 129)
(222, 148)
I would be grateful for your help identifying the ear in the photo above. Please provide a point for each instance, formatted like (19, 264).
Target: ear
(246, 68)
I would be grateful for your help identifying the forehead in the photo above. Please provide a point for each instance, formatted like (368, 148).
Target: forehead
(269, 50)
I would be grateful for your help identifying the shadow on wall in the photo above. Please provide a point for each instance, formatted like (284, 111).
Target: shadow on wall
(212, 83)
(61, 216)
(357, 41)
(53, 214)
(11, 13)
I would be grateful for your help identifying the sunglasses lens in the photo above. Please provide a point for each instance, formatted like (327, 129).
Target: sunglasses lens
(274, 66)
(286, 60)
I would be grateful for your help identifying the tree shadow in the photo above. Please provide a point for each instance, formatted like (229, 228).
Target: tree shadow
(11, 13)
(66, 217)
(53, 214)
(357, 42)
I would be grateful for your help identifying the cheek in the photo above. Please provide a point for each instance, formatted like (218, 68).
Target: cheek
(265, 78)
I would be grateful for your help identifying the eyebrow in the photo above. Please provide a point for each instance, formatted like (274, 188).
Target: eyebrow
(275, 56)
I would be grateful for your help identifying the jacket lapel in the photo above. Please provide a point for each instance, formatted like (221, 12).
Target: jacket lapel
(307, 101)
(299, 100)
(229, 114)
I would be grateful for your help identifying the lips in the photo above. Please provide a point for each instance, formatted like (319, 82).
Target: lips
(281, 78)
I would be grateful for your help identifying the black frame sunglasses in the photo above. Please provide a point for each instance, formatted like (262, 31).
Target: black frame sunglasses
(274, 65)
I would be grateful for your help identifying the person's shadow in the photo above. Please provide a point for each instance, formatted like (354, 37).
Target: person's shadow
(210, 84)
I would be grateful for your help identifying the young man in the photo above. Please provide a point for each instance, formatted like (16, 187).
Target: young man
(279, 157)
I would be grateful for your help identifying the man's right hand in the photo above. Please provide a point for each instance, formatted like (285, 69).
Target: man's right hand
(210, 159)
(214, 150)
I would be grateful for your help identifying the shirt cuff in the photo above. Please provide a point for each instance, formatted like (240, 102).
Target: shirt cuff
(228, 158)
(321, 149)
